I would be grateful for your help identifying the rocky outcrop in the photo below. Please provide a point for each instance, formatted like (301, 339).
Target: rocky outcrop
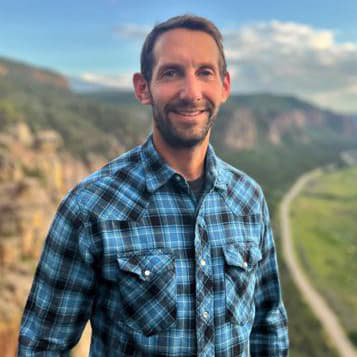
(246, 128)
(241, 132)
(287, 122)
(3, 70)
(299, 124)
(35, 173)
(50, 78)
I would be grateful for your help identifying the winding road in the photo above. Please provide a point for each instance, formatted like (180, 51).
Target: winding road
(316, 302)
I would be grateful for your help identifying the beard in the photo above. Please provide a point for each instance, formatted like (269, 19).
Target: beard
(186, 135)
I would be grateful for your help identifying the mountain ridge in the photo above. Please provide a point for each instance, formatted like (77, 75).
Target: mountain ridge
(15, 69)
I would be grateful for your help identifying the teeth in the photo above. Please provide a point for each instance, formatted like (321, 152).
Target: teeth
(189, 113)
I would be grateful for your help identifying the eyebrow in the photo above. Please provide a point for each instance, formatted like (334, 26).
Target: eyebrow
(179, 67)
(208, 65)
(170, 66)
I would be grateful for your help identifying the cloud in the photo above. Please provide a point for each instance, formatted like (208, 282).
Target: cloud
(344, 100)
(286, 57)
(121, 81)
(131, 31)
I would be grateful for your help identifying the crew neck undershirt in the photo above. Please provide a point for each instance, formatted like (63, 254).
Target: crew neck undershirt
(197, 186)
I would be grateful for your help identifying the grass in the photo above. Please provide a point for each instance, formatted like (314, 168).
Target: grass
(325, 236)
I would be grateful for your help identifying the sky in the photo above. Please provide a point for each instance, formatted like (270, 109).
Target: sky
(305, 48)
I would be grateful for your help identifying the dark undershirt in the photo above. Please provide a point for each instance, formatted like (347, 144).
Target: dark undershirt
(197, 186)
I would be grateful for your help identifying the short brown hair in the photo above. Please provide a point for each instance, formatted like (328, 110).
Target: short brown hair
(190, 22)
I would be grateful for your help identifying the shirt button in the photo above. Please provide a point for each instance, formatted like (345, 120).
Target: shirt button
(245, 265)
(203, 262)
(147, 272)
(205, 315)
(177, 177)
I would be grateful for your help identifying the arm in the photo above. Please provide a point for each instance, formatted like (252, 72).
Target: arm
(60, 299)
(269, 335)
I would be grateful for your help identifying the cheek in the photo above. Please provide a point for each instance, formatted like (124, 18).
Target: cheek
(165, 92)
(215, 94)
(160, 98)
(159, 103)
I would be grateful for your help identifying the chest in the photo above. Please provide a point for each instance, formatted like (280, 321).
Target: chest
(177, 223)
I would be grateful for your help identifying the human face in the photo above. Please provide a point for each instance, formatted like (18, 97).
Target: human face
(186, 89)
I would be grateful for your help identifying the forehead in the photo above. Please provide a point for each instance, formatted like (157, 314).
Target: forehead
(184, 45)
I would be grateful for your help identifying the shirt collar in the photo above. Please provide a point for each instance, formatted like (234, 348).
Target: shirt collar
(158, 172)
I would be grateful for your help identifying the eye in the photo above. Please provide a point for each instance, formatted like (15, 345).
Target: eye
(169, 73)
(206, 72)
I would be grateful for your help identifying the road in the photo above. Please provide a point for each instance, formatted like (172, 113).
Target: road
(316, 302)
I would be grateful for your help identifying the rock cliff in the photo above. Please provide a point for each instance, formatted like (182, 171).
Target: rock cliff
(241, 132)
(35, 173)
(245, 129)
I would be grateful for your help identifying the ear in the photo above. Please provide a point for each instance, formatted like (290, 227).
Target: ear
(226, 87)
(141, 88)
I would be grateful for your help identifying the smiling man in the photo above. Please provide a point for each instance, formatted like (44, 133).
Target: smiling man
(167, 250)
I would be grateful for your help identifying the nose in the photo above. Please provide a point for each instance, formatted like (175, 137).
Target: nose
(191, 88)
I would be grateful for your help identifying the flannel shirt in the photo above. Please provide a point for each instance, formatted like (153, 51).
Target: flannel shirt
(155, 272)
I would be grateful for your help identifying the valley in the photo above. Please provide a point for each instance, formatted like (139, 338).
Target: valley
(323, 218)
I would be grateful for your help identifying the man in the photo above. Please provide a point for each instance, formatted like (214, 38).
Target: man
(167, 250)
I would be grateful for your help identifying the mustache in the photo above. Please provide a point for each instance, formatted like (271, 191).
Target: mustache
(187, 105)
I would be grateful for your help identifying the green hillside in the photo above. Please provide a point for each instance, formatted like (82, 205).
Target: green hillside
(86, 126)
(325, 236)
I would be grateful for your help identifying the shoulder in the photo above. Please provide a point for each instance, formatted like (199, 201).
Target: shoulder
(128, 162)
(115, 191)
(242, 191)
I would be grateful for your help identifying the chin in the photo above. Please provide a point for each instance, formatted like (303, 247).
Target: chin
(184, 142)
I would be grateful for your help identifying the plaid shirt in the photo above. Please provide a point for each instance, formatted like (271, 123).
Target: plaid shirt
(157, 273)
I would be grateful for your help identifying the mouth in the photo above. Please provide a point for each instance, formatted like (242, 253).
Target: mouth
(189, 113)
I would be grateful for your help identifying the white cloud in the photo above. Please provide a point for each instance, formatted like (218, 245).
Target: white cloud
(132, 31)
(342, 100)
(122, 81)
(286, 57)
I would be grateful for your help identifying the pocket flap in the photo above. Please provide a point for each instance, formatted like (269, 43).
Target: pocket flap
(147, 265)
(242, 255)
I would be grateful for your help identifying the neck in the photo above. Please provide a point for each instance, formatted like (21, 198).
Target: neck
(189, 162)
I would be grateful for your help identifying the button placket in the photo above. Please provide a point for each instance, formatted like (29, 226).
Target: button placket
(204, 291)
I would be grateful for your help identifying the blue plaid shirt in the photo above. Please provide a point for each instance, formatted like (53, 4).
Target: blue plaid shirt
(155, 272)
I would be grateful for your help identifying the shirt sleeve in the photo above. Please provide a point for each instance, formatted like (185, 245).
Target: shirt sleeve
(269, 336)
(60, 300)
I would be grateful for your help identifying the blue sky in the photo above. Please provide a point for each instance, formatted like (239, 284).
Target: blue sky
(304, 48)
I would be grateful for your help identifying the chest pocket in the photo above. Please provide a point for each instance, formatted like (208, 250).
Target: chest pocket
(147, 291)
(241, 261)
